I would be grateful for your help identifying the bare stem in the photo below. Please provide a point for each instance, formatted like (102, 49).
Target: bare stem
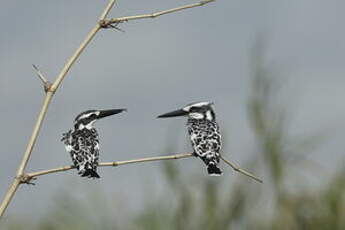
(20, 172)
(74, 57)
(9, 195)
(35, 132)
(107, 9)
(148, 159)
(113, 164)
(242, 171)
(154, 15)
(21, 176)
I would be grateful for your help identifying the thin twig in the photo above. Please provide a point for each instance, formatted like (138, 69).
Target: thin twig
(107, 9)
(41, 76)
(75, 56)
(113, 164)
(154, 15)
(242, 171)
(49, 171)
(148, 159)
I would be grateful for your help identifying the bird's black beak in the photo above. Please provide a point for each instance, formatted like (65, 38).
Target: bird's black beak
(106, 113)
(175, 113)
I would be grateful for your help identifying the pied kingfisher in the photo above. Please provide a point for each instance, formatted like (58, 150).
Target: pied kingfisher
(204, 133)
(82, 142)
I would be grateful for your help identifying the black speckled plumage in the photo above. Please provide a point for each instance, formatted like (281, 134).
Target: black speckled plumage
(204, 133)
(83, 146)
(82, 141)
(206, 142)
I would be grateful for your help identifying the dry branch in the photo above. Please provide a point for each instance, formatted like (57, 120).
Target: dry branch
(107, 23)
(50, 92)
(242, 171)
(21, 176)
(32, 175)
(113, 164)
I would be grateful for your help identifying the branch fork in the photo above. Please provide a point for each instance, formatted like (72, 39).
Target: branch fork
(106, 24)
(26, 179)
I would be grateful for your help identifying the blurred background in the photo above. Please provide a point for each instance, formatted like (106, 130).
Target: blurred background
(274, 70)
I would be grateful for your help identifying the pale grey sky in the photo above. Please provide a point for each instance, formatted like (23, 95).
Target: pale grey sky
(156, 66)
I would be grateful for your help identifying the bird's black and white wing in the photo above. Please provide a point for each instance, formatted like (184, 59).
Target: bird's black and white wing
(83, 147)
(206, 141)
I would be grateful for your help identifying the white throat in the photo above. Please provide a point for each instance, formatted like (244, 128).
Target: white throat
(88, 126)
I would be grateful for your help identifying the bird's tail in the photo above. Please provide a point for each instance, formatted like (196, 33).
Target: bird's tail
(213, 169)
(212, 165)
(90, 173)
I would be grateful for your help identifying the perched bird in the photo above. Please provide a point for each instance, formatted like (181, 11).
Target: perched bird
(82, 141)
(204, 133)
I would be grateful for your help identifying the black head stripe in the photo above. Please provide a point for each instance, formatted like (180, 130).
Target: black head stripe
(83, 113)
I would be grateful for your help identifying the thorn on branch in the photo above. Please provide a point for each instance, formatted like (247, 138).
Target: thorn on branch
(47, 87)
(107, 24)
(46, 84)
(26, 179)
